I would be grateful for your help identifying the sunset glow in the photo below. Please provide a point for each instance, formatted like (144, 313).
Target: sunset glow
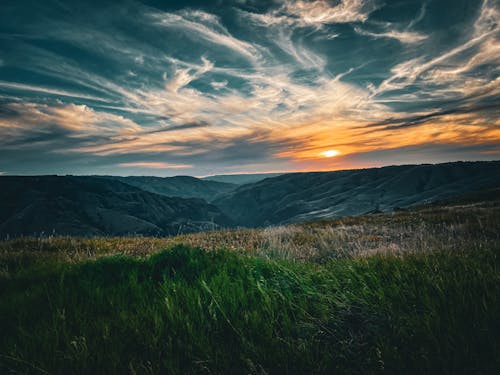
(246, 86)
(330, 153)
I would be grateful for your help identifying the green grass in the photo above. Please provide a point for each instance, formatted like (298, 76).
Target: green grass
(455, 227)
(187, 310)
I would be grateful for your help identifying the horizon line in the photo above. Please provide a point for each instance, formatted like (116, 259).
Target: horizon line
(4, 174)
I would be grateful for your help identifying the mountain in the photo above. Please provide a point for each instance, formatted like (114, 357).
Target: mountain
(319, 195)
(241, 179)
(87, 206)
(178, 186)
(108, 205)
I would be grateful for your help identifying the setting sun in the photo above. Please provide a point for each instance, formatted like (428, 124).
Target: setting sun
(303, 186)
(330, 153)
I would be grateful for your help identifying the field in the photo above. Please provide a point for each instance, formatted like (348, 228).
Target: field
(413, 291)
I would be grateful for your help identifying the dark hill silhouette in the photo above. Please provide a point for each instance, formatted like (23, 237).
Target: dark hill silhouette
(97, 206)
(108, 205)
(299, 197)
(240, 179)
(178, 186)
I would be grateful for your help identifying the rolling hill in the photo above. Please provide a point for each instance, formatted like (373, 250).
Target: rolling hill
(300, 197)
(88, 206)
(178, 186)
(241, 179)
(109, 205)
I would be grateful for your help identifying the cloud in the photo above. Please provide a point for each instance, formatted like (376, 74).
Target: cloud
(314, 13)
(419, 119)
(320, 12)
(182, 77)
(207, 27)
(154, 165)
(452, 66)
(188, 125)
(260, 87)
(281, 32)
(50, 91)
(420, 16)
(71, 121)
(488, 19)
(305, 57)
(218, 84)
(408, 37)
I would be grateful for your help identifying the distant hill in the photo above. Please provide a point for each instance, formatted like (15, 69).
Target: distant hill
(319, 195)
(109, 205)
(241, 179)
(178, 186)
(97, 206)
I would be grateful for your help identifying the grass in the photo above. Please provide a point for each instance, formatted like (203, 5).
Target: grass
(414, 291)
(453, 227)
(190, 311)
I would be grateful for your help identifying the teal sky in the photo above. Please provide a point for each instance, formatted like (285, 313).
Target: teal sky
(200, 88)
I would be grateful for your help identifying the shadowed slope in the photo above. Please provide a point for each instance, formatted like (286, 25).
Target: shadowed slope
(97, 206)
(318, 195)
(178, 186)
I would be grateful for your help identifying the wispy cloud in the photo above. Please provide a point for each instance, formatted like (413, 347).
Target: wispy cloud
(182, 77)
(208, 27)
(264, 87)
(71, 120)
(50, 91)
(153, 165)
(409, 37)
(317, 13)
(322, 12)
(453, 66)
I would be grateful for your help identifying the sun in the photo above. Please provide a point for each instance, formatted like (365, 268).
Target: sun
(330, 153)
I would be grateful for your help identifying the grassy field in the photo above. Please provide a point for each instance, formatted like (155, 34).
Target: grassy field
(410, 292)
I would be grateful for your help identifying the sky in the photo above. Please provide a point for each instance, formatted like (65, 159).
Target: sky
(246, 86)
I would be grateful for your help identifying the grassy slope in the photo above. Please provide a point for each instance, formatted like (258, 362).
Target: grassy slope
(459, 225)
(429, 304)
(190, 311)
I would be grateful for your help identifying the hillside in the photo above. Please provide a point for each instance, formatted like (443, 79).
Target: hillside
(409, 292)
(109, 205)
(178, 186)
(463, 223)
(88, 206)
(300, 197)
(241, 179)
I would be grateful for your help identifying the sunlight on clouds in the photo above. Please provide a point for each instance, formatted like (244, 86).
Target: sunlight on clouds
(79, 119)
(314, 13)
(352, 139)
(320, 11)
(264, 93)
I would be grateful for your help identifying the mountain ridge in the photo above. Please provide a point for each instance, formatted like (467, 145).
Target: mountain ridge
(114, 205)
(75, 205)
(177, 186)
(241, 178)
(307, 196)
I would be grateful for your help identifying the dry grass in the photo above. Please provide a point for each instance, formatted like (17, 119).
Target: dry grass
(432, 308)
(454, 227)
